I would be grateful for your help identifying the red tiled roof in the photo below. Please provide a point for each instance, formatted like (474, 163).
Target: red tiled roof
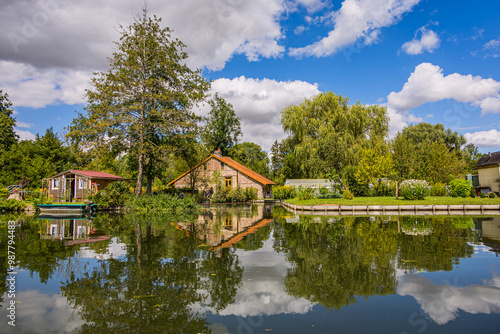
(230, 162)
(92, 174)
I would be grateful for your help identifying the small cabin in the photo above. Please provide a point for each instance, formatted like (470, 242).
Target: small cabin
(234, 174)
(76, 185)
(488, 170)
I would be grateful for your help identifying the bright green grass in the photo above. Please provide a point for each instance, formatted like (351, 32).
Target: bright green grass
(392, 201)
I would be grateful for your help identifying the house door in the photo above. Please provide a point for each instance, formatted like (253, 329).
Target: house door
(73, 190)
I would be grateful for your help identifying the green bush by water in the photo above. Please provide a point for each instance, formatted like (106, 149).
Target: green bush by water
(116, 194)
(11, 205)
(161, 203)
(284, 192)
(438, 189)
(460, 188)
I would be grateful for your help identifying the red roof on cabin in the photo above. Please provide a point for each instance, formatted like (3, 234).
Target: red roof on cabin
(92, 174)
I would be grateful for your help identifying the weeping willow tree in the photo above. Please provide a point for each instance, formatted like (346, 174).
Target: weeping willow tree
(144, 100)
(329, 133)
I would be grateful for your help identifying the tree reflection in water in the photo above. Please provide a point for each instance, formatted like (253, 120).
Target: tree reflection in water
(172, 264)
(338, 260)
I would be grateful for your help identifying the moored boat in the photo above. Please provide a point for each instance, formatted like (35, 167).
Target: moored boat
(67, 208)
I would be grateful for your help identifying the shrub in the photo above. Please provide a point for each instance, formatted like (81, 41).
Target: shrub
(460, 187)
(161, 203)
(250, 193)
(237, 194)
(438, 189)
(491, 195)
(482, 195)
(116, 194)
(4, 193)
(472, 192)
(11, 205)
(38, 196)
(305, 193)
(284, 192)
(347, 194)
(414, 189)
(386, 188)
(329, 195)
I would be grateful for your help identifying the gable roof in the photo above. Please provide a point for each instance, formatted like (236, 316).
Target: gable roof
(91, 174)
(488, 159)
(230, 162)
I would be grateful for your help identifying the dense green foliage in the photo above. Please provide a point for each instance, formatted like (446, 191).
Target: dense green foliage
(7, 135)
(11, 205)
(327, 133)
(460, 188)
(284, 192)
(37, 159)
(161, 203)
(114, 195)
(251, 156)
(222, 127)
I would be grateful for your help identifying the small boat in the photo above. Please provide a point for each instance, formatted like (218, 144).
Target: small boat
(67, 208)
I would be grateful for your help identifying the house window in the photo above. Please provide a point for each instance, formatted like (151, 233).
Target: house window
(55, 184)
(82, 183)
(229, 222)
(222, 165)
(229, 182)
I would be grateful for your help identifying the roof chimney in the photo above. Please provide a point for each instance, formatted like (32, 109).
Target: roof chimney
(218, 153)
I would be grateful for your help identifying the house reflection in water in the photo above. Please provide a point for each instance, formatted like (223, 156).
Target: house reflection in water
(490, 233)
(71, 230)
(222, 228)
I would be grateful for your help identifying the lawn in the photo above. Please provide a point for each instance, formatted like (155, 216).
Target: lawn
(439, 200)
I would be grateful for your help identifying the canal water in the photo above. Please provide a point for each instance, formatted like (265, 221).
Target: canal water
(258, 269)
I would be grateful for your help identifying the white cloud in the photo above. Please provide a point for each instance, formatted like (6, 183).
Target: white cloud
(28, 86)
(492, 48)
(259, 104)
(42, 313)
(443, 302)
(114, 250)
(424, 40)
(262, 291)
(428, 84)
(24, 134)
(357, 20)
(484, 138)
(24, 125)
(64, 34)
(399, 120)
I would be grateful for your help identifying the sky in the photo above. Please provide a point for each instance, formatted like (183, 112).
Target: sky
(434, 61)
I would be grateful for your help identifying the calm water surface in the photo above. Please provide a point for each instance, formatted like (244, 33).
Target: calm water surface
(253, 270)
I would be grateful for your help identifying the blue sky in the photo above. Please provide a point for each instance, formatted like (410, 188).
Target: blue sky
(427, 61)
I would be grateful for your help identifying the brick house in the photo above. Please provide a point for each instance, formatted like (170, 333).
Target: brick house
(234, 173)
(76, 185)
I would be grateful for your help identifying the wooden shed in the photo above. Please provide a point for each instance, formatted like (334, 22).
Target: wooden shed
(77, 185)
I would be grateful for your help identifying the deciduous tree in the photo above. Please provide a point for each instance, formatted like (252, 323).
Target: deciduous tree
(144, 97)
(223, 126)
(329, 132)
(7, 135)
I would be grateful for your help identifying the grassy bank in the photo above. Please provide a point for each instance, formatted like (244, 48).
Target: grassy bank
(439, 200)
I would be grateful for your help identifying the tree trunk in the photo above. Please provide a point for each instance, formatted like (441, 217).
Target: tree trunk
(140, 175)
(149, 184)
